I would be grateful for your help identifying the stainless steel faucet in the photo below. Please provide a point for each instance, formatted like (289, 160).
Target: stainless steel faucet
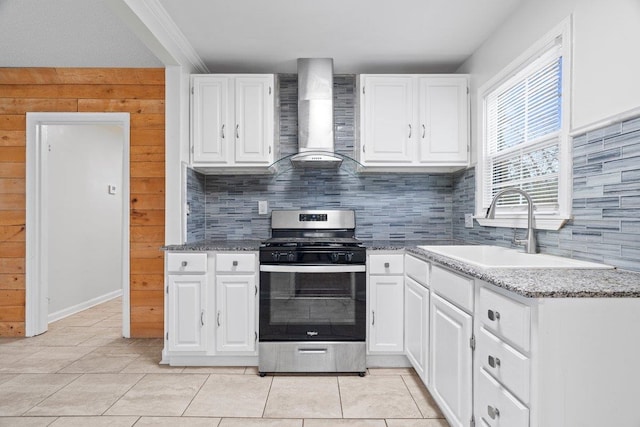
(529, 242)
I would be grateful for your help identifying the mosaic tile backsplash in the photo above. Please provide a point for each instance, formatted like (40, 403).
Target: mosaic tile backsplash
(606, 193)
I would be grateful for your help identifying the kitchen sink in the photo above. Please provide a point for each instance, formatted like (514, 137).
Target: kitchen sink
(487, 256)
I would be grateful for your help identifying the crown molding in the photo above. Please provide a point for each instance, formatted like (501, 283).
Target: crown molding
(150, 21)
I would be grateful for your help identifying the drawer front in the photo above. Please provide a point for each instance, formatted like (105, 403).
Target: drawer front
(236, 263)
(453, 287)
(496, 407)
(417, 269)
(186, 262)
(504, 363)
(386, 264)
(505, 317)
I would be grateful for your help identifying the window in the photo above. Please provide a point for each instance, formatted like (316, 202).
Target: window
(525, 135)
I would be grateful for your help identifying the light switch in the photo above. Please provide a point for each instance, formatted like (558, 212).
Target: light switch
(263, 207)
(112, 189)
(468, 220)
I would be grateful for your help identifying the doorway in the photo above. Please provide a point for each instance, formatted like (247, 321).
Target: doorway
(77, 215)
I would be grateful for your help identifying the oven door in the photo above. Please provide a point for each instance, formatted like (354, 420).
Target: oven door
(312, 302)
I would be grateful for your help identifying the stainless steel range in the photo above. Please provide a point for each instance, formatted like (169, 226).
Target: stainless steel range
(312, 294)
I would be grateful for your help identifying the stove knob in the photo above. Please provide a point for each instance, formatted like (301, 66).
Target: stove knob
(275, 256)
(335, 256)
(349, 256)
(291, 256)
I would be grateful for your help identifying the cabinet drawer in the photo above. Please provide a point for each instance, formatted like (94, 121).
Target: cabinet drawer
(453, 287)
(505, 317)
(504, 363)
(496, 406)
(236, 263)
(187, 262)
(386, 264)
(417, 269)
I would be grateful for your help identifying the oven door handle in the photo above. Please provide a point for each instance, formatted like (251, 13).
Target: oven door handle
(329, 268)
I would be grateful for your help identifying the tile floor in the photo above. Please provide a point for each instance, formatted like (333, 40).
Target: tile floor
(82, 373)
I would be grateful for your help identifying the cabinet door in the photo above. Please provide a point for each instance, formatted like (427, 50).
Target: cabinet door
(236, 313)
(451, 359)
(211, 117)
(254, 120)
(386, 315)
(416, 329)
(443, 112)
(388, 119)
(187, 316)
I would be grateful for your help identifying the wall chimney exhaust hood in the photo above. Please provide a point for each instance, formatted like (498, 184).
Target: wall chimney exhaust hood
(315, 115)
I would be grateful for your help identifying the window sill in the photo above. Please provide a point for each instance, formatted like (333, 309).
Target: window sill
(552, 223)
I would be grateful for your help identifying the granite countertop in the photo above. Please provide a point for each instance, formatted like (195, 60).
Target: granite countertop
(530, 283)
(216, 245)
(547, 282)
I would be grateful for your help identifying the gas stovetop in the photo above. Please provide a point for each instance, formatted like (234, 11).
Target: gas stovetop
(312, 241)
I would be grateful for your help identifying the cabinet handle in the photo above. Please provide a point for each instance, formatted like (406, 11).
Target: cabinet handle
(269, 149)
(235, 263)
(202, 318)
(493, 315)
(237, 131)
(409, 130)
(218, 317)
(494, 361)
(373, 317)
(222, 131)
(493, 412)
(386, 265)
(184, 263)
(424, 131)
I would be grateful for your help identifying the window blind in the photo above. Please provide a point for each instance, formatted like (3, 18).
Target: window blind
(522, 130)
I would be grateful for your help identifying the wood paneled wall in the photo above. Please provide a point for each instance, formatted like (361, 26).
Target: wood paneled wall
(140, 92)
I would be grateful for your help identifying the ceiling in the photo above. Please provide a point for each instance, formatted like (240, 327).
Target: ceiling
(362, 36)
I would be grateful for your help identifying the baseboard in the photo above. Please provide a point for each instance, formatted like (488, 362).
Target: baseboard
(61, 314)
(387, 361)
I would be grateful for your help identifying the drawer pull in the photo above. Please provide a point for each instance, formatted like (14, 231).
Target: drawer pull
(184, 263)
(494, 361)
(386, 265)
(493, 315)
(312, 350)
(493, 412)
(235, 263)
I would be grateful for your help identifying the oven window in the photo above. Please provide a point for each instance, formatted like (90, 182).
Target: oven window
(319, 306)
(305, 298)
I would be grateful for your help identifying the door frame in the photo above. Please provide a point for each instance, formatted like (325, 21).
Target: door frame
(36, 287)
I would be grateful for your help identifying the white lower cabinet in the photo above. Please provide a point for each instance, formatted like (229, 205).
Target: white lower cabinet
(451, 360)
(416, 326)
(211, 308)
(187, 315)
(186, 302)
(386, 303)
(495, 406)
(416, 315)
(235, 313)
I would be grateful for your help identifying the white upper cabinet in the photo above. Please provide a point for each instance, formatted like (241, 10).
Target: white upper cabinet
(443, 118)
(232, 122)
(413, 122)
(388, 110)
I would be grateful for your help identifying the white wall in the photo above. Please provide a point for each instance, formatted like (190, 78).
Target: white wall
(606, 65)
(85, 222)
